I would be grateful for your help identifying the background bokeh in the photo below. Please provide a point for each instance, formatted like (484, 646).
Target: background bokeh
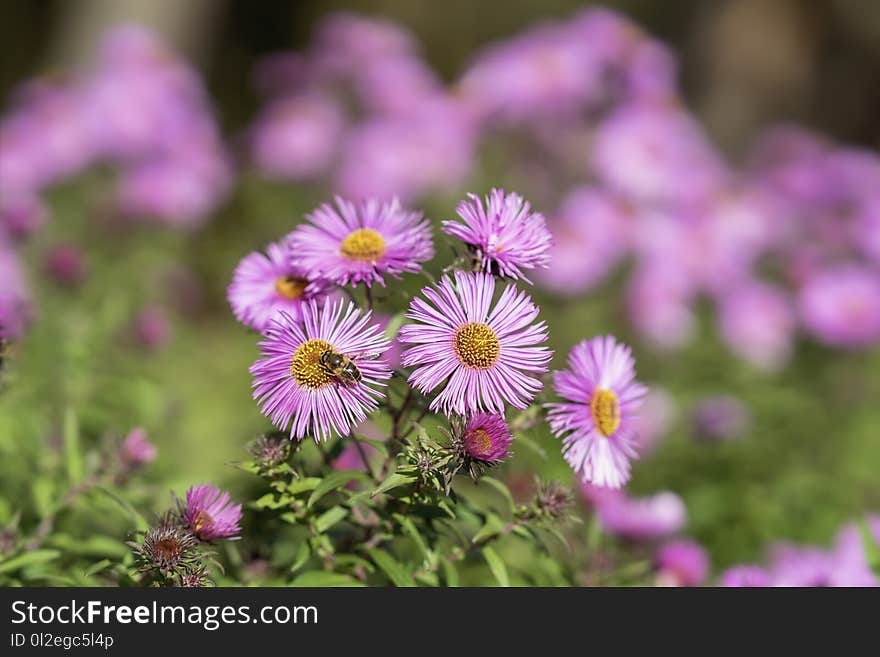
(808, 457)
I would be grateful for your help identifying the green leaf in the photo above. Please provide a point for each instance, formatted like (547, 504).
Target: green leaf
(872, 548)
(303, 554)
(72, 454)
(493, 525)
(28, 559)
(140, 522)
(409, 528)
(501, 489)
(303, 485)
(317, 578)
(450, 572)
(333, 482)
(378, 445)
(272, 501)
(329, 518)
(394, 325)
(522, 439)
(396, 572)
(394, 480)
(496, 565)
(96, 568)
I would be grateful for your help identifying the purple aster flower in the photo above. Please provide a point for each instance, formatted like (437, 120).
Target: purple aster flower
(758, 322)
(745, 576)
(655, 155)
(485, 438)
(210, 514)
(505, 235)
(298, 390)
(589, 221)
(682, 563)
(841, 306)
(137, 449)
(644, 518)
(152, 328)
(597, 421)
(21, 214)
(15, 305)
(360, 243)
(264, 285)
(66, 264)
(659, 297)
(720, 418)
(793, 565)
(297, 138)
(486, 355)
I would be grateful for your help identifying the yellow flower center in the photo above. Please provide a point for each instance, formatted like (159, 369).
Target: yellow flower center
(290, 287)
(363, 244)
(478, 442)
(477, 345)
(305, 366)
(201, 521)
(605, 410)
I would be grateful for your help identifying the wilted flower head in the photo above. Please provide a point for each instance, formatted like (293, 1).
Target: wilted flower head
(137, 449)
(298, 387)
(720, 418)
(353, 244)
(486, 355)
(264, 285)
(166, 548)
(553, 500)
(194, 577)
(210, 514)
(682, 563)
(271, 449)
(841, 306)
(597, 421)
(505, 235)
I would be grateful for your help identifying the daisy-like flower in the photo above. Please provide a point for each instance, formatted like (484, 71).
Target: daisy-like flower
(490, 355)
(294, 380)
(264, 285)
(486, 438)
(210, 514)
(597, 421)
(350, 244)
(504, 234)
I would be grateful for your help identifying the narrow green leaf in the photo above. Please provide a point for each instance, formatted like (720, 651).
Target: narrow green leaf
(317, 578)
(335, 481)
(493, 525)
(28, 559)
(378, 445)
(140, 522)
(303, 485)
(96, 568)
(871, 546)
(394, 325)
(329, 518)
(72, 454)
(450, 572)
(396, 572)
(303, 554)
(410, 529)
(394, 480)
(496, 565)
(501, 489)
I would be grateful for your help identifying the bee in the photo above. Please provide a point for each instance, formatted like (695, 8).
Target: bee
(340, 366)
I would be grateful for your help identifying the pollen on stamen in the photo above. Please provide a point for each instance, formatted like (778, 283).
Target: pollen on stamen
(306, 367)
(364, 244)
(478, 443)
(476, 345)
(605, 410)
